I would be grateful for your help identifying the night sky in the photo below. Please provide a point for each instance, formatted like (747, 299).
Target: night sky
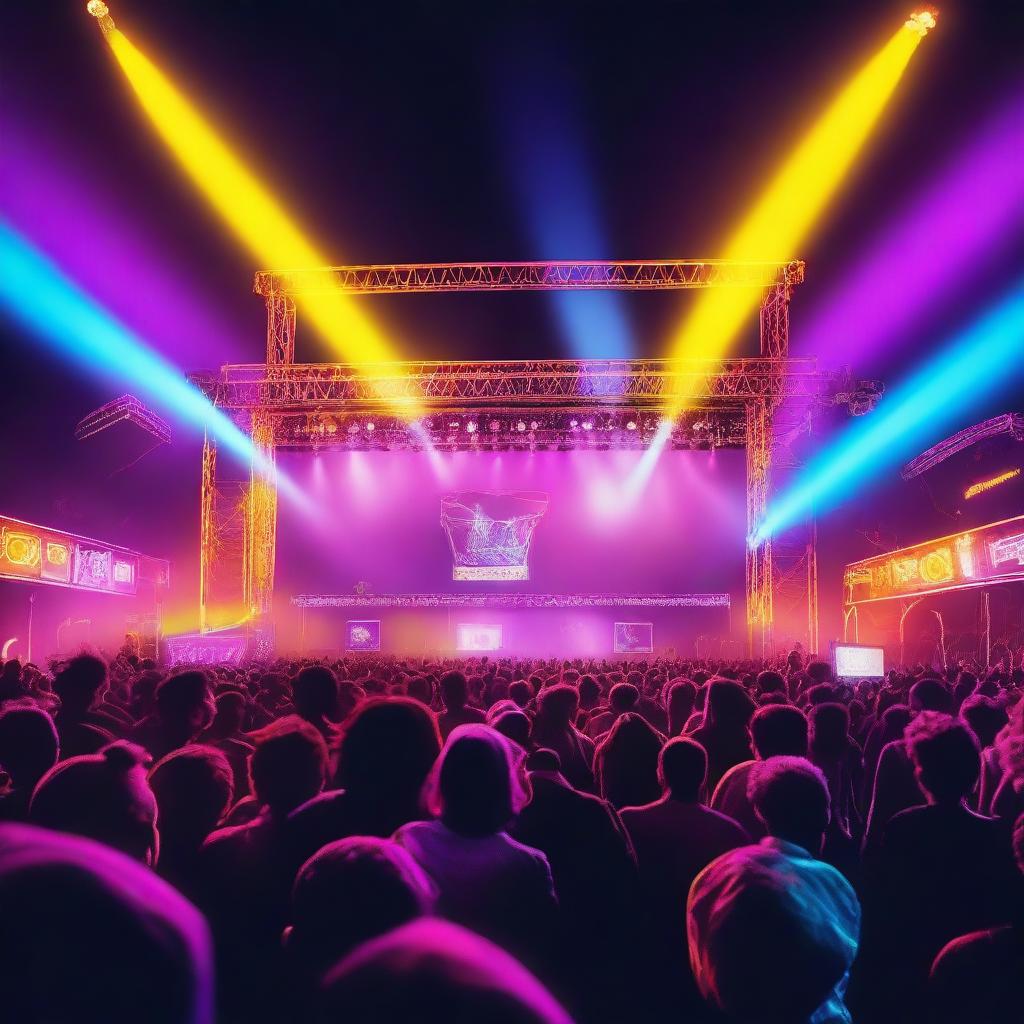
(444, 132)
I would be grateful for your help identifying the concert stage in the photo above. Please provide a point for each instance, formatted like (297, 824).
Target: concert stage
(599, 625)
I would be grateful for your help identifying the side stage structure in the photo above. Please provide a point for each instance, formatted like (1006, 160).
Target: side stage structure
(761, 404)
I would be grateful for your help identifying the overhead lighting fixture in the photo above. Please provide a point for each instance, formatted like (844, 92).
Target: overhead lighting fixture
(986, 485)
(921, 22)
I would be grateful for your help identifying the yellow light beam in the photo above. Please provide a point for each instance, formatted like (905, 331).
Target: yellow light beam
(240, 198)
(785, 213)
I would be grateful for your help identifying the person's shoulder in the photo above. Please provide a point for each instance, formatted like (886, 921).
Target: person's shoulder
(967, 953)
(724, 824)
(639, 812)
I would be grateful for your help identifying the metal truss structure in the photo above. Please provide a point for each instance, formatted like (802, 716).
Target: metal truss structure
(1009, 423)
(525, 404)
(512, 601)
(126, 409)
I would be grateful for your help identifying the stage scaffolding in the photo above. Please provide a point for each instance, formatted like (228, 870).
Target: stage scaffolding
(755, 403)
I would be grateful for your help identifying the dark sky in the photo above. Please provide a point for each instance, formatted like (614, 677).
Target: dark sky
(395, 132)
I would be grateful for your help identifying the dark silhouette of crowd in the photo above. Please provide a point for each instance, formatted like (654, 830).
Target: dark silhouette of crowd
(376, 839)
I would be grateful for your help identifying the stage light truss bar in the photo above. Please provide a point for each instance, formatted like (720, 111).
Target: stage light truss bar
(566, 383)
(629, 275)
(129, 409)
(512, 601)
(520, 429)
(1009, 423)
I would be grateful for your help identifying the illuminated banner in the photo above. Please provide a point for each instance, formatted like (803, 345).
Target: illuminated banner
(42, 555)
(974, 558)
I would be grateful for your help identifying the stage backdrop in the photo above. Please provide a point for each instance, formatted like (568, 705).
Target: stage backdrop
(380, 522)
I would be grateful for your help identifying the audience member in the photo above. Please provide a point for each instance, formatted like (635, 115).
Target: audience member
(28, 750)
(724, 732)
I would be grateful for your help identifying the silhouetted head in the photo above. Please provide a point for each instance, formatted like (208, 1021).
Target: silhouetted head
(104, 796)
(790, 796)
(682, 695)
(521, 692)
(930, 695)
(830, 730)
(421, 688)
(515, 725)
(557, 706)
(288, 766)
(728, 706)
(589, 690)
(28, 744)
(387, 749)
(431, 970)
(623, 697)
(477, 785)
(315, 693)
(770, 681)
(683, 769)
(229, 716)
(350, 891)
(91, 936)
(779, 729)
(820, 671)
(193, 786)
(945, 755)
(80, 682)
(986, 716)
(184, 701)
(454, 690)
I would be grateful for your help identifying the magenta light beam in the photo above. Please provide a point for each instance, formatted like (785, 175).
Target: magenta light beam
(937, 246)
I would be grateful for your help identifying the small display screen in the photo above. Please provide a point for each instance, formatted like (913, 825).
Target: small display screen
(853, 661)
(634, 637)
(472, 636)
(362, 635)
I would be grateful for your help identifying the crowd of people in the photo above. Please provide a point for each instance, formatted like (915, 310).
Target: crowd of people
(372, 840)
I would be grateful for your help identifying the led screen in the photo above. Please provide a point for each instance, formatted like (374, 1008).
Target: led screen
(634, 637)
(853, 661)
(362, 635)
(472, 636)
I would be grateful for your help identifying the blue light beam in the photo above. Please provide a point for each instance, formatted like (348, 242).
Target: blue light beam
(36, 294)
(984, 359)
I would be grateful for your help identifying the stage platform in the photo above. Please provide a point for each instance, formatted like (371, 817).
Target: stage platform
(499, 600)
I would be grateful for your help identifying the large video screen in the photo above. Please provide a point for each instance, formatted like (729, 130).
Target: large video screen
(379, 520)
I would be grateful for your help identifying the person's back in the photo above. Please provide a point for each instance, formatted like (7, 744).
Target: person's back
(675, 838)
(245, 872)
(976, 977)
(82, 728)
(776, 729)
(90, 936)
(724, 732)
(773, 931)
(454, 689)
(435, 971)
(387, 749)
(554, 730)
(941, 871)
(486, 880)
(626, 762)
(594, 874)
(28, 749)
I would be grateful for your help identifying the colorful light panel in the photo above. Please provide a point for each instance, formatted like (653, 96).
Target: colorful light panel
(987, 554)
(986, 485)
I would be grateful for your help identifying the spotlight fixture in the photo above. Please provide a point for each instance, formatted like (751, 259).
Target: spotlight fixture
(494, 426)
(371, 426)
(631, 425)
(521, 426)
(470, 427)
(97, 8)
(587, 425)
(353, 428)
(534, 424)
(921, 22)
(573, 424)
